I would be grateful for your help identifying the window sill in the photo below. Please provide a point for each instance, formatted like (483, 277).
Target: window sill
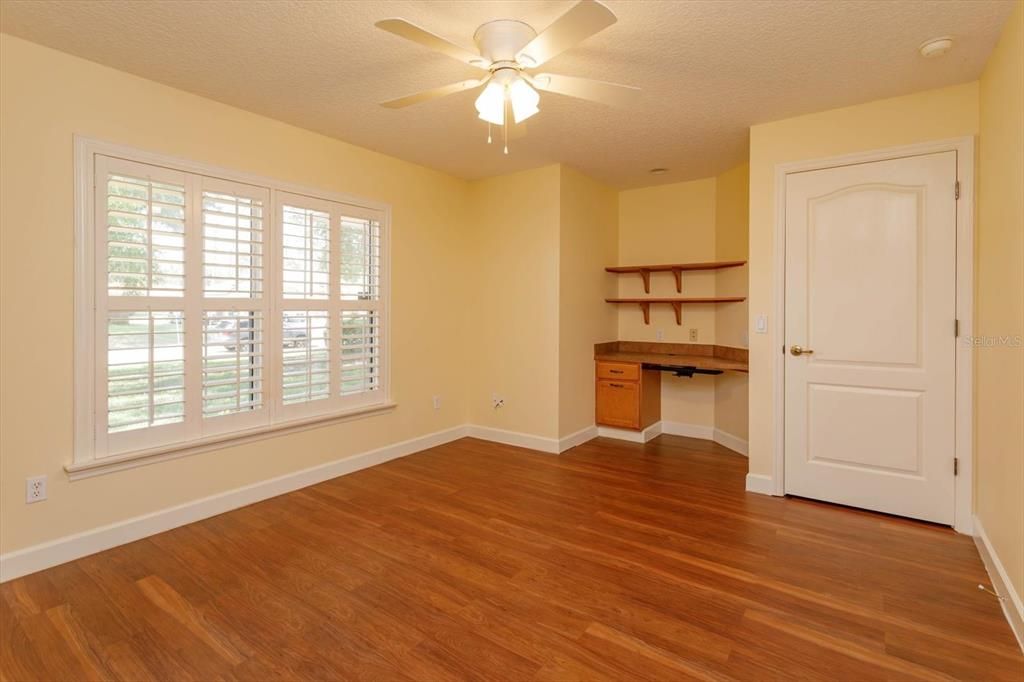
(131, 460)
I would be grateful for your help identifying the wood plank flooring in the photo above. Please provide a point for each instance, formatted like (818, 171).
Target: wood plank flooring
(477, 561)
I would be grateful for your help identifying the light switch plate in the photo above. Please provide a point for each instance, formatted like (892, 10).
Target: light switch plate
(761, 324)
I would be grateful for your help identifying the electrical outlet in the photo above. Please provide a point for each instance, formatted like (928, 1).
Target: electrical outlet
(497, 401)
(437, 402)
(660, 334)
(35, 489)
(693, 334)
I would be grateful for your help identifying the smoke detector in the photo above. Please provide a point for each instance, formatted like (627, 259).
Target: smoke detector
(935, 47)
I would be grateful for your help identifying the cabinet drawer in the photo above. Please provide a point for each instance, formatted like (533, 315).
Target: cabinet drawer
(623, 371)
(618, 403)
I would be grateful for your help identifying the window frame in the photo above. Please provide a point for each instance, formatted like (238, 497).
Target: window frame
(90, 452)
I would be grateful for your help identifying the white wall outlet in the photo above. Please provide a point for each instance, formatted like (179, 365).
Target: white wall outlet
(35, 489)
(437, 402)
(761, 324)
(660, 334)
(497, 401)
(693, 334)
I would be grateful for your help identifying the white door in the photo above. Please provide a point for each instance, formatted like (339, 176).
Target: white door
(870, 298)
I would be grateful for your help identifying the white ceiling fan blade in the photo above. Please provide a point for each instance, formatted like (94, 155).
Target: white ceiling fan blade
(409, 31)
(611, 94)
(427, 95)
(586, 18)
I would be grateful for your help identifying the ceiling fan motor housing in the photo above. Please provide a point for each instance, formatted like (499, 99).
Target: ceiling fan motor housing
(501, 40)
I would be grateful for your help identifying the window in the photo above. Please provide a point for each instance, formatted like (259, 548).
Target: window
(220, 307)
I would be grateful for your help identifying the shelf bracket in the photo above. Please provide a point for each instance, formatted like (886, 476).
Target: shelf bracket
(646, 308)
(646, 276)
(678, 307)
(678, 274)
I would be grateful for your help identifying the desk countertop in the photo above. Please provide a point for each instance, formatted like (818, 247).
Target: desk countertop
(674, 355)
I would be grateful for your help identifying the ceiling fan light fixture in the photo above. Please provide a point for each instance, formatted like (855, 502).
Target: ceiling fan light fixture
(935, 47)
(491, 104)
(506, 50)
(524, 100)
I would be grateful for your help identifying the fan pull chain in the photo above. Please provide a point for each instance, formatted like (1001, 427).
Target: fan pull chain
(488, 132)
(507, 112)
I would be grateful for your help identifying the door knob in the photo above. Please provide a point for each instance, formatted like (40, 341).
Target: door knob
(797, 350)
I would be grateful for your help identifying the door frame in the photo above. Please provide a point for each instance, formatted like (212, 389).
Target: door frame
(964, 359)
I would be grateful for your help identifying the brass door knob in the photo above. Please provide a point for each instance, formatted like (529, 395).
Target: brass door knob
(797, 350)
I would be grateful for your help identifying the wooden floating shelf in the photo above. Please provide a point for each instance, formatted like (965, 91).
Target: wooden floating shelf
(676, 303)
(675, 268)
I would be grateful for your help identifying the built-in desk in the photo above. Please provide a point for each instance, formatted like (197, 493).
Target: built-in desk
(628, 375)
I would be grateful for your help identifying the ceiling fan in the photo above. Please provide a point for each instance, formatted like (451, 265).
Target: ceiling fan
(508, 50)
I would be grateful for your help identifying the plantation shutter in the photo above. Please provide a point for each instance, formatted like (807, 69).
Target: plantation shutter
(140, 304)
(222, 307)
(235, 308)
(306, 327)
(360, 294)
(331, 304)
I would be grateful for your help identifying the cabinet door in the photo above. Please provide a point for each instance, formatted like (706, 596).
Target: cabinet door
(618, 403)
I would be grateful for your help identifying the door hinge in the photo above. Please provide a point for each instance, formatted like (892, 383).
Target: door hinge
(956, 466)
(956, 327)
(956, 190)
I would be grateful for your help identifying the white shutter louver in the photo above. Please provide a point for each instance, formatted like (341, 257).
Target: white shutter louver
(360, 351)
(145, 237)
(232, 362)
(306, 351)
(232, 246)
(360, 259)
(305, 253)
(145, 369)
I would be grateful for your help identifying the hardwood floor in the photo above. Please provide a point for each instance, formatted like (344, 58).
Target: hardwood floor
(474, 560)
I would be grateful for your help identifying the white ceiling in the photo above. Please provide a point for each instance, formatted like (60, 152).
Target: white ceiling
(708, 69)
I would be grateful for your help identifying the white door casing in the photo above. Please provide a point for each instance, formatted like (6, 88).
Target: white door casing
(870, 282)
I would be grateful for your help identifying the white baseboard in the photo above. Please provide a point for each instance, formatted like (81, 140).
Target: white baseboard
(652, 431)
(47, 554)
(760, 484)
(578, 438)
(688, 430)
(734, 443)
(1013, 608)
(522, 440)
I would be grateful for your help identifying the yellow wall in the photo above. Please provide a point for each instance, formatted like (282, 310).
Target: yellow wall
(920, 117)
(45, 98)
(999, 378)
(512, 318)
(671, 224)
(496, 288)
(588, 243)
(731, 241)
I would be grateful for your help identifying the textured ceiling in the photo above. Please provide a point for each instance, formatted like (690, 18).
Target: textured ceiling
(708, 69)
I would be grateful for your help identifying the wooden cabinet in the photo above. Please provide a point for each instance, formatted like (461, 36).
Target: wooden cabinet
(628, 397)
(619, 371)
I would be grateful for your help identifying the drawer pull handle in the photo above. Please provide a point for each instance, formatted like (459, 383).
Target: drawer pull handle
(615, 371)
(616, 385)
